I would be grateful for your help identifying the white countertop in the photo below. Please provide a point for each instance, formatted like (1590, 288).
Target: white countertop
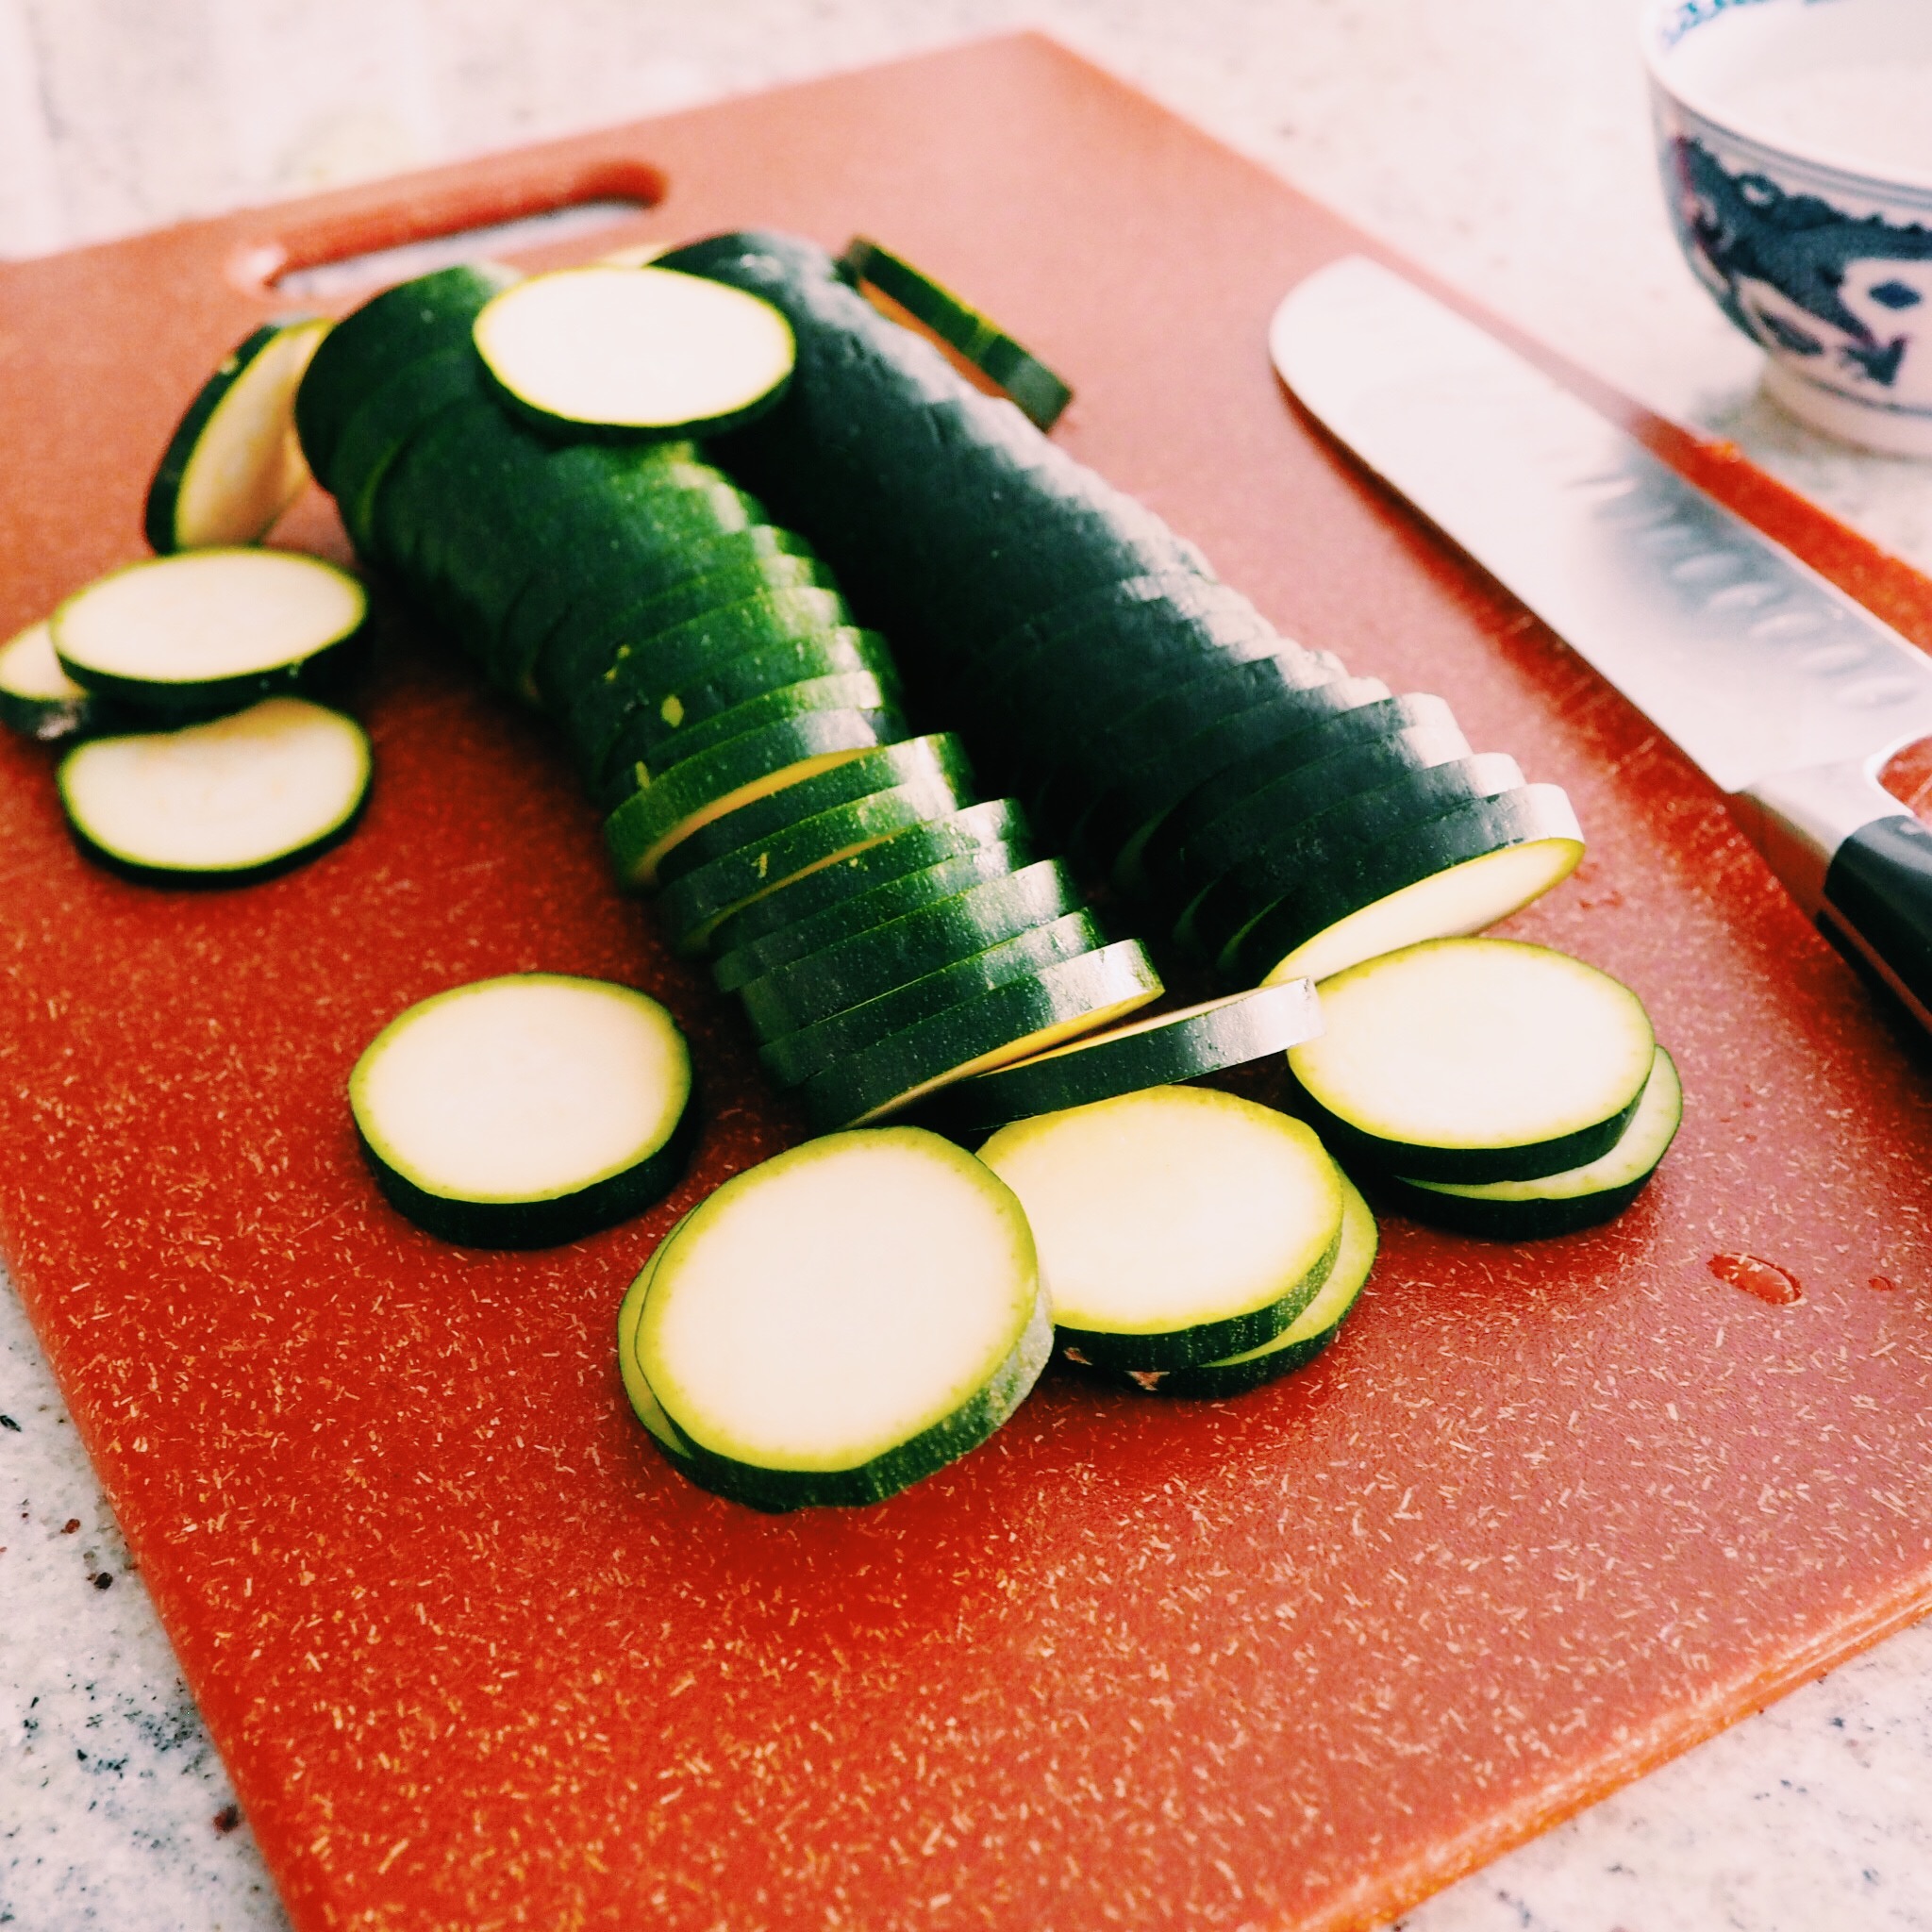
(1503, 143)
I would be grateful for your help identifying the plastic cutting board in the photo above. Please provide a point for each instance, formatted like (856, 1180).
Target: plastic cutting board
(476, 1658)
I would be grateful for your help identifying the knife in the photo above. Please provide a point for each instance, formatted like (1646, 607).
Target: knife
(1788, 695)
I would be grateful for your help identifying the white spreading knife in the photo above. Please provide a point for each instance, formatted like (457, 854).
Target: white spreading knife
(1788, 693)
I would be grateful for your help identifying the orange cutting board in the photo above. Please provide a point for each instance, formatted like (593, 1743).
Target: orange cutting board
(476, 1658)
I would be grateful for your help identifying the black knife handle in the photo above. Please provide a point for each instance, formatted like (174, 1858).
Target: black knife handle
(1878, 894)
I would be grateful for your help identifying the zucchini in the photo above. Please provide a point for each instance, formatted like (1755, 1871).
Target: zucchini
(1037, 390)
(1578, 1197)
(233, 464)
(225, 802)
(841, 1322)
(643, 1404)
(525, 1111)
(845, 690)
(640, 352)
(863, 911)
(792, 1058)
(365, 348)
(1457, 875)
(667, 810)
(1178, 1226)
(1019, 1016)
(747, 836)
(1164, 1051)
(1313, 845)
(208, 629)
(1301, 1340)
(875, 959)
(37, 697)
(866, 856)
(1474, 1060)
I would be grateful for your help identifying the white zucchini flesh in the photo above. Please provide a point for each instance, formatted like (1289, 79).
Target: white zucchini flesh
(528, 1088)
(29, 669)
(1643, 1145)
(1475, 1044)
(1464, 899)
(236, 465)
(241, 794)
(1176, 1225)
(178, 627)
(634, 348)
(855, 1306)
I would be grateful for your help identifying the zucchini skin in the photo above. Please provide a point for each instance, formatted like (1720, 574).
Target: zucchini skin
(522, 1224)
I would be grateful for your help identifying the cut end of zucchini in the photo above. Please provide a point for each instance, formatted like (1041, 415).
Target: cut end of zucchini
(644, 351)
(206, 629)
(1176, 1226)
(525, 1110)
(843, 1320)
(226, 802)
(234, 464)
(37, 697)
(1465, 899)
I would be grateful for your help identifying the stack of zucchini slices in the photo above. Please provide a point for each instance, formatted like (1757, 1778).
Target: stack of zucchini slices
(1284, 818)
(517, 454)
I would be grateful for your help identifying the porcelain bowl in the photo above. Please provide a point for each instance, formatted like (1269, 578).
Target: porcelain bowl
(1795, 141)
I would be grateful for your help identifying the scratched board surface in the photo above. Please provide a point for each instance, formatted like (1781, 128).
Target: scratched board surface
(476, 1658)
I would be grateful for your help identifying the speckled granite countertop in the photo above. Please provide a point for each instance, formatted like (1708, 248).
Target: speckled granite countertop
(1503, 143)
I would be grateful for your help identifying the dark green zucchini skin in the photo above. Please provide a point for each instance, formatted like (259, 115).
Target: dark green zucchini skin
(517, 1225)
(1508, 1221)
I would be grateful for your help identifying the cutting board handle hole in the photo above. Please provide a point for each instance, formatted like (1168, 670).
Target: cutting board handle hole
(415, 229)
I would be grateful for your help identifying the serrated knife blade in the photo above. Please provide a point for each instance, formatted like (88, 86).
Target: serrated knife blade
(1787, 693)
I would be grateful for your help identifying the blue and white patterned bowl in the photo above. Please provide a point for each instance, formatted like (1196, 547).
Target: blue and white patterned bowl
(1818, 243)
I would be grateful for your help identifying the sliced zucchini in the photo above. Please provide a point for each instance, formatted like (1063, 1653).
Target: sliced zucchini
(1474, 1060)
(391, 328)
(1028, 381)
(234, 464)
(37, 697)
(931, 937)
(643, 1404)
(1561, 1203)
(843, 691)
(638, 351)
(208, 629)
(1161, 1052)
(1457, 875)
(1021, 1016)
(845, 1318)
(879, 853)
(525, 1111)
(1303, 1339)
(878, 906)
(792, 1058)
(225, 802)
(692, 795)
(1176, 1226)
(378, 431)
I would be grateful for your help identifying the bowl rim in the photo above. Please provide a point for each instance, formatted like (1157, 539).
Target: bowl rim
(1654, 21)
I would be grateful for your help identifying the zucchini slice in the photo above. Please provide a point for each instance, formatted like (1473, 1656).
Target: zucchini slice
(1164, 1051)
(1475, 1059)
(845, 1318)
(1178, 1225)
(1023, 1015)
(208, 629)
(525, 1111)
(690, 797)
(234, 464)
(638, 351)
(1563, 1203)
(37, 697)
(1028, 380)
(1303, 1339)
(875, 959)
(225, 802)
(643, 1404)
